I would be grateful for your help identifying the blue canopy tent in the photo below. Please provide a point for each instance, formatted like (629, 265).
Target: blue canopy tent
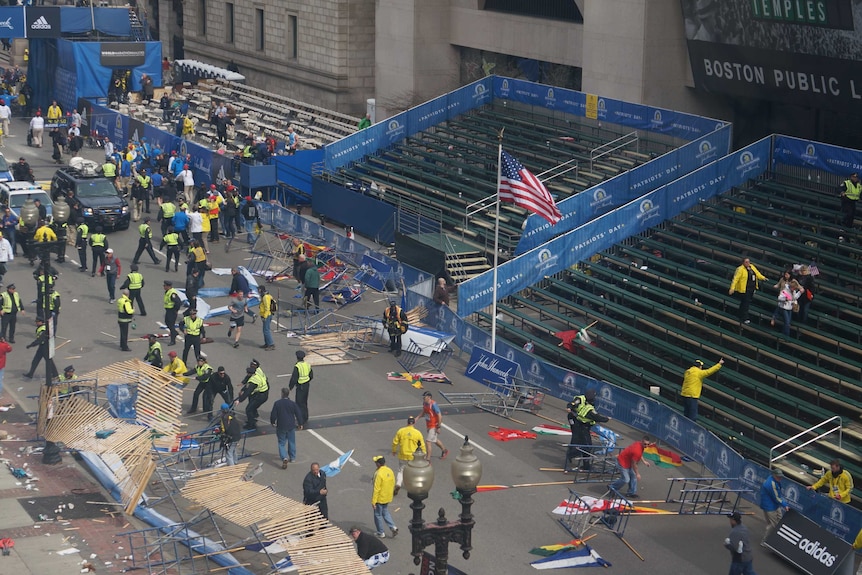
(66, 70)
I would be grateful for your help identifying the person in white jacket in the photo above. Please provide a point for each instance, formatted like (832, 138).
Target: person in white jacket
(37, 126)
(6, 255)
(788, 295)
(188, 179)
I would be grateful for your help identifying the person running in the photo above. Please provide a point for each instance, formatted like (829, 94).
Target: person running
(433, 421)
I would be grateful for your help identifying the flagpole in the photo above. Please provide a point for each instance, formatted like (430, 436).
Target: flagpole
(496, 246)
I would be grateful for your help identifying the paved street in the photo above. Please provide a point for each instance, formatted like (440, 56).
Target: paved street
(358, 408)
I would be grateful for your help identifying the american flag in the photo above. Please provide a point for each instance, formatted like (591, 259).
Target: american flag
(520, 187)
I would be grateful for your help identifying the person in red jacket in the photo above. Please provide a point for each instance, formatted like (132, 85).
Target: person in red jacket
(627, 461)
(4, 349)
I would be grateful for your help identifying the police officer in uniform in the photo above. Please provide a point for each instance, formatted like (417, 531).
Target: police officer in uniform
(134, 283)
(255, 388)
(60, 232)
(301, 380)
(98, 245)
(41, 343)
(125, 315)
(166, 213)
(10, 306)
(849, 192)
(145, 242)
(171, 240)
(192, 327)
(154, 352)
(83, 234)
(172, 303)
(582, 415)
(203, 372)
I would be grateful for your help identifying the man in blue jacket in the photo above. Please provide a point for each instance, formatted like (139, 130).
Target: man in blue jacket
(771, 502)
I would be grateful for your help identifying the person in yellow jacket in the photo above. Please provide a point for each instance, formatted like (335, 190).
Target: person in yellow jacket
(44, 233)
(176, 367)
(188, 128)
(267, 309)
(692, 386)
(405, 443)
(384, 491)
(54, 112)
(839, 480)
(746, 281)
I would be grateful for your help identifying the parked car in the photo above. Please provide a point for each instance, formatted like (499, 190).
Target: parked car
(5, 171)
(14, 194)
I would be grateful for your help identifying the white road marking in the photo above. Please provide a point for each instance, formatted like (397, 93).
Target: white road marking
(473, 443)
(74, 262)
(109, 334)
(331, 446)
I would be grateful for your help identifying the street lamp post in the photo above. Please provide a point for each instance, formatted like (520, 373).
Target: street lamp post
(30, 216)
(418, 479)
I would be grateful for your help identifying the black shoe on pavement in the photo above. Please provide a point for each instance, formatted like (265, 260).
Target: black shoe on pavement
(28, 375)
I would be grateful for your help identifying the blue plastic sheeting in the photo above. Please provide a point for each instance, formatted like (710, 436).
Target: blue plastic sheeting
(295, 170)
(625, 187)
(651, 416)
(816, 155)
(93, 78)
(155, 519)
(368, 215)
(122, 398)
(384, 134)
(603, 232)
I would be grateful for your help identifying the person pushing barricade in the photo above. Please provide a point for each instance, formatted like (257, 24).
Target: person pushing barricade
(582, 415)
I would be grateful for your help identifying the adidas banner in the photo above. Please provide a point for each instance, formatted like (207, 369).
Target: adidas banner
(42, 22)
(805, 544)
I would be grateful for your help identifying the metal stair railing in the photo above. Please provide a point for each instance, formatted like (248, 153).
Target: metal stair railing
(839, 428)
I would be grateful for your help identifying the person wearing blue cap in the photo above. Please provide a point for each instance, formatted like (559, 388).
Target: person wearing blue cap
(229, 433)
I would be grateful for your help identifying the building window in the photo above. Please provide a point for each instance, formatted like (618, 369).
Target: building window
(292, 31)
(202, 15)
(260, 36)
(552, 9)
(229, 23)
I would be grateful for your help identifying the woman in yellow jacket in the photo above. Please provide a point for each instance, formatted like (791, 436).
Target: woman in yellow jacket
(840, 482)
(746, 281)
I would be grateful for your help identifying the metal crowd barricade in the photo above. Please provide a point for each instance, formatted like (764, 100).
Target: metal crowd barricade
(705, 495)
(584, 514)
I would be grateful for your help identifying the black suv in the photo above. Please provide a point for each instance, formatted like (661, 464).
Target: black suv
(100, 202)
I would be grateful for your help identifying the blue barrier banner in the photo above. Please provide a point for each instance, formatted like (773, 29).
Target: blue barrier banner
(295, 170)
(392, 130)
(562, 252)
(615, 226)
(637, 116)
(486, 367)
(426, 115)
(12, 22)
(612, 193)
(110, 123)
(121, 398)
(749, 162)
(806, 153)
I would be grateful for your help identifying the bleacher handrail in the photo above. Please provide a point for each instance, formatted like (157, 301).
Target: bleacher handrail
(613, 146)
(839, 428)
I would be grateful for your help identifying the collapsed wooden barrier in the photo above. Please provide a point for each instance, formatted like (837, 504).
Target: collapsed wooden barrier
(315, 546)
(125, 447)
